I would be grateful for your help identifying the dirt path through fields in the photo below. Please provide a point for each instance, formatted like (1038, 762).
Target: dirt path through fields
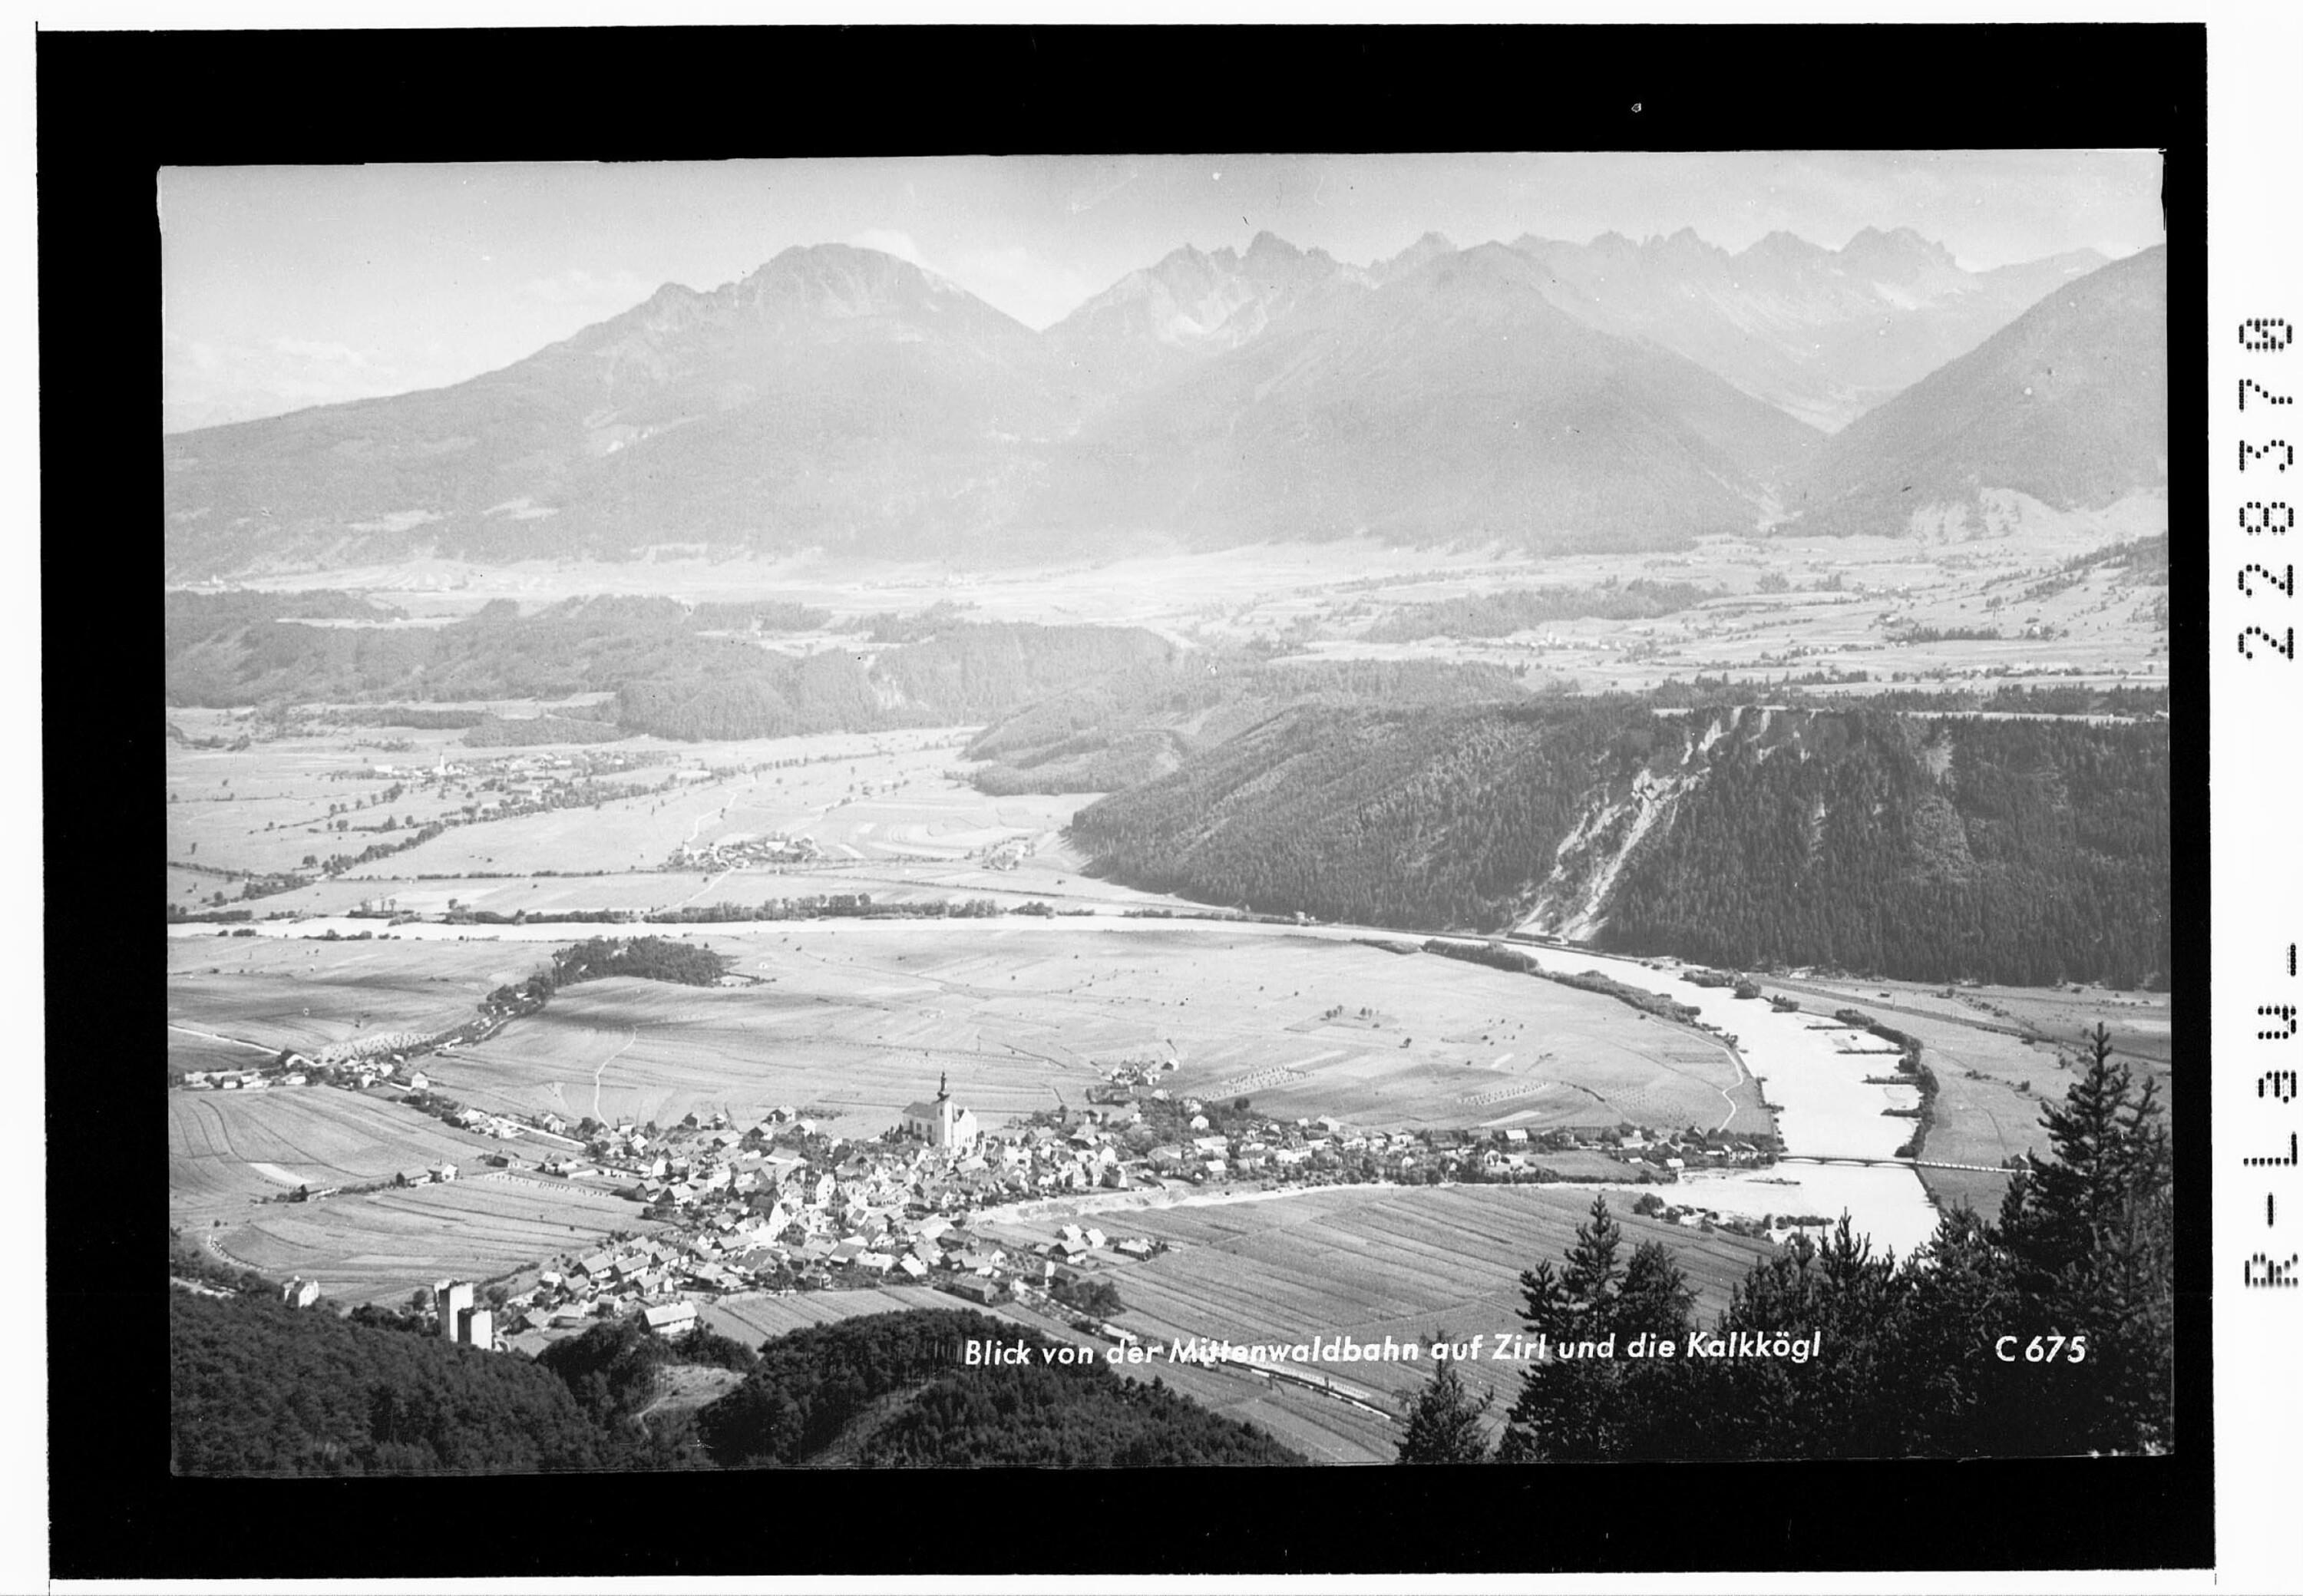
(611, 1059)
(214, 1036)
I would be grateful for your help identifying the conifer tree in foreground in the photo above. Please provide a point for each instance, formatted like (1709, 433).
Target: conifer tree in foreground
(2050, 1332)
(2089, 1232)
(1444, 1425)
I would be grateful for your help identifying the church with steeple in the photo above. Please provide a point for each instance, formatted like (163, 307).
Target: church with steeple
(942, 1123)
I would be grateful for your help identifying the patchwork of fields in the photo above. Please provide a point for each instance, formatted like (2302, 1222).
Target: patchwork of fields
(380, 1247)
(1371, 1261)
(320, 1136)
(857, 1017)
(280, 993)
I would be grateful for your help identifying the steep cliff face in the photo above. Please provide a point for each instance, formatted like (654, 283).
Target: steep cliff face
(1632, 809)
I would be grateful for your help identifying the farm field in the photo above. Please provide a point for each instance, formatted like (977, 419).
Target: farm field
(265, 806)
(1368, 1261)
(2141, 1023)
(1158, 588)
(1838, 593)
(281, 992)
(1839, 604)
(1322, 1428)
(856, 1018)
(642, 830)
(187, 1052)
(226, 1149)
(381, 1246)
(753, 1316)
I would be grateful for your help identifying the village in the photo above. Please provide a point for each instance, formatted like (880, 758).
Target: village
(781, 1205)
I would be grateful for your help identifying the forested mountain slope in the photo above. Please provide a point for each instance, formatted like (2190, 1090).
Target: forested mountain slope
(1128, 727)
(1931, 847)
(2067, 405)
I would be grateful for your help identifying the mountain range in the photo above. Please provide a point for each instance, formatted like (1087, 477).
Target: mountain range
(1548, 395)
(1823, 335)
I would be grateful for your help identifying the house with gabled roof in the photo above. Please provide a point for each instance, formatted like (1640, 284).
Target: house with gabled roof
(671, 1319)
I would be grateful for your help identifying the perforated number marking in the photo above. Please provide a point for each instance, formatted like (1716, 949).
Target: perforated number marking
(2271, 517)
(2260, 1271)
(2284, 458)
(2266, 332)
(2285, 583)
(2246, 382)
(2284, 1012)
(2277, 1161)
(2287, 648)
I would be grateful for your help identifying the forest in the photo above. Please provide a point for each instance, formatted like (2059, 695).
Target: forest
(1515, 609)
(689, 675)
(2047, 1330)
(1931, 848)
(1127, 727)
(256, 1388)
(890, 1390)
(259, 1389)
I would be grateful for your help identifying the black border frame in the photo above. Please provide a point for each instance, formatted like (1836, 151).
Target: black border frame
(113, 108)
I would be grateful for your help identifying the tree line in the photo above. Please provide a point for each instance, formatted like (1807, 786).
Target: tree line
(2046, 1331)
(1516, 608)
(689, 675)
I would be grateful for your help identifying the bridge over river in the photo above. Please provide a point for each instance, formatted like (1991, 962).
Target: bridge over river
(1881, 1164)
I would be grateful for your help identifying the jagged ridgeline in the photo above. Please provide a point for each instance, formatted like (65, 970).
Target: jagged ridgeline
(1931, 847)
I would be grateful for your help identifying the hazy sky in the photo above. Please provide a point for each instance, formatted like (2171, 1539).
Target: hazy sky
(284, 287)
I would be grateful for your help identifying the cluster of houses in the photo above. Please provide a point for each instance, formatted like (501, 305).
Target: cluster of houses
(237, 1080)
(738, 852)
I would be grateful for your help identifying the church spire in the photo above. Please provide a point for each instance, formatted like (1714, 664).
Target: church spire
(943, 1082)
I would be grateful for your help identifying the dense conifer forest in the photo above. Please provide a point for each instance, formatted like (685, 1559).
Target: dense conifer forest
(1127, 727)
(1899, 845)
(259, 1389)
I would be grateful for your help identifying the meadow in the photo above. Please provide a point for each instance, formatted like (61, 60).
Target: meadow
(381, 1246)
(859, 1019)
(227, 1149)
(279, 992)
(1370, 1261)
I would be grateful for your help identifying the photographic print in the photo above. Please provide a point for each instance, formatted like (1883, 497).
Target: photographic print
(1125, 812)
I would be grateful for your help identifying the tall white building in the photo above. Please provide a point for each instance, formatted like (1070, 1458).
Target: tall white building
(454, 1298)
(942, 1122)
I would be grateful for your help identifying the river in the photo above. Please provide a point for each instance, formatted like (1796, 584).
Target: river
(1824, 1106)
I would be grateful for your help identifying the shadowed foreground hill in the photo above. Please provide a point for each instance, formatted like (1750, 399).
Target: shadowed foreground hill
(1933, 848)
(890, 1390)
(258, 1389)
